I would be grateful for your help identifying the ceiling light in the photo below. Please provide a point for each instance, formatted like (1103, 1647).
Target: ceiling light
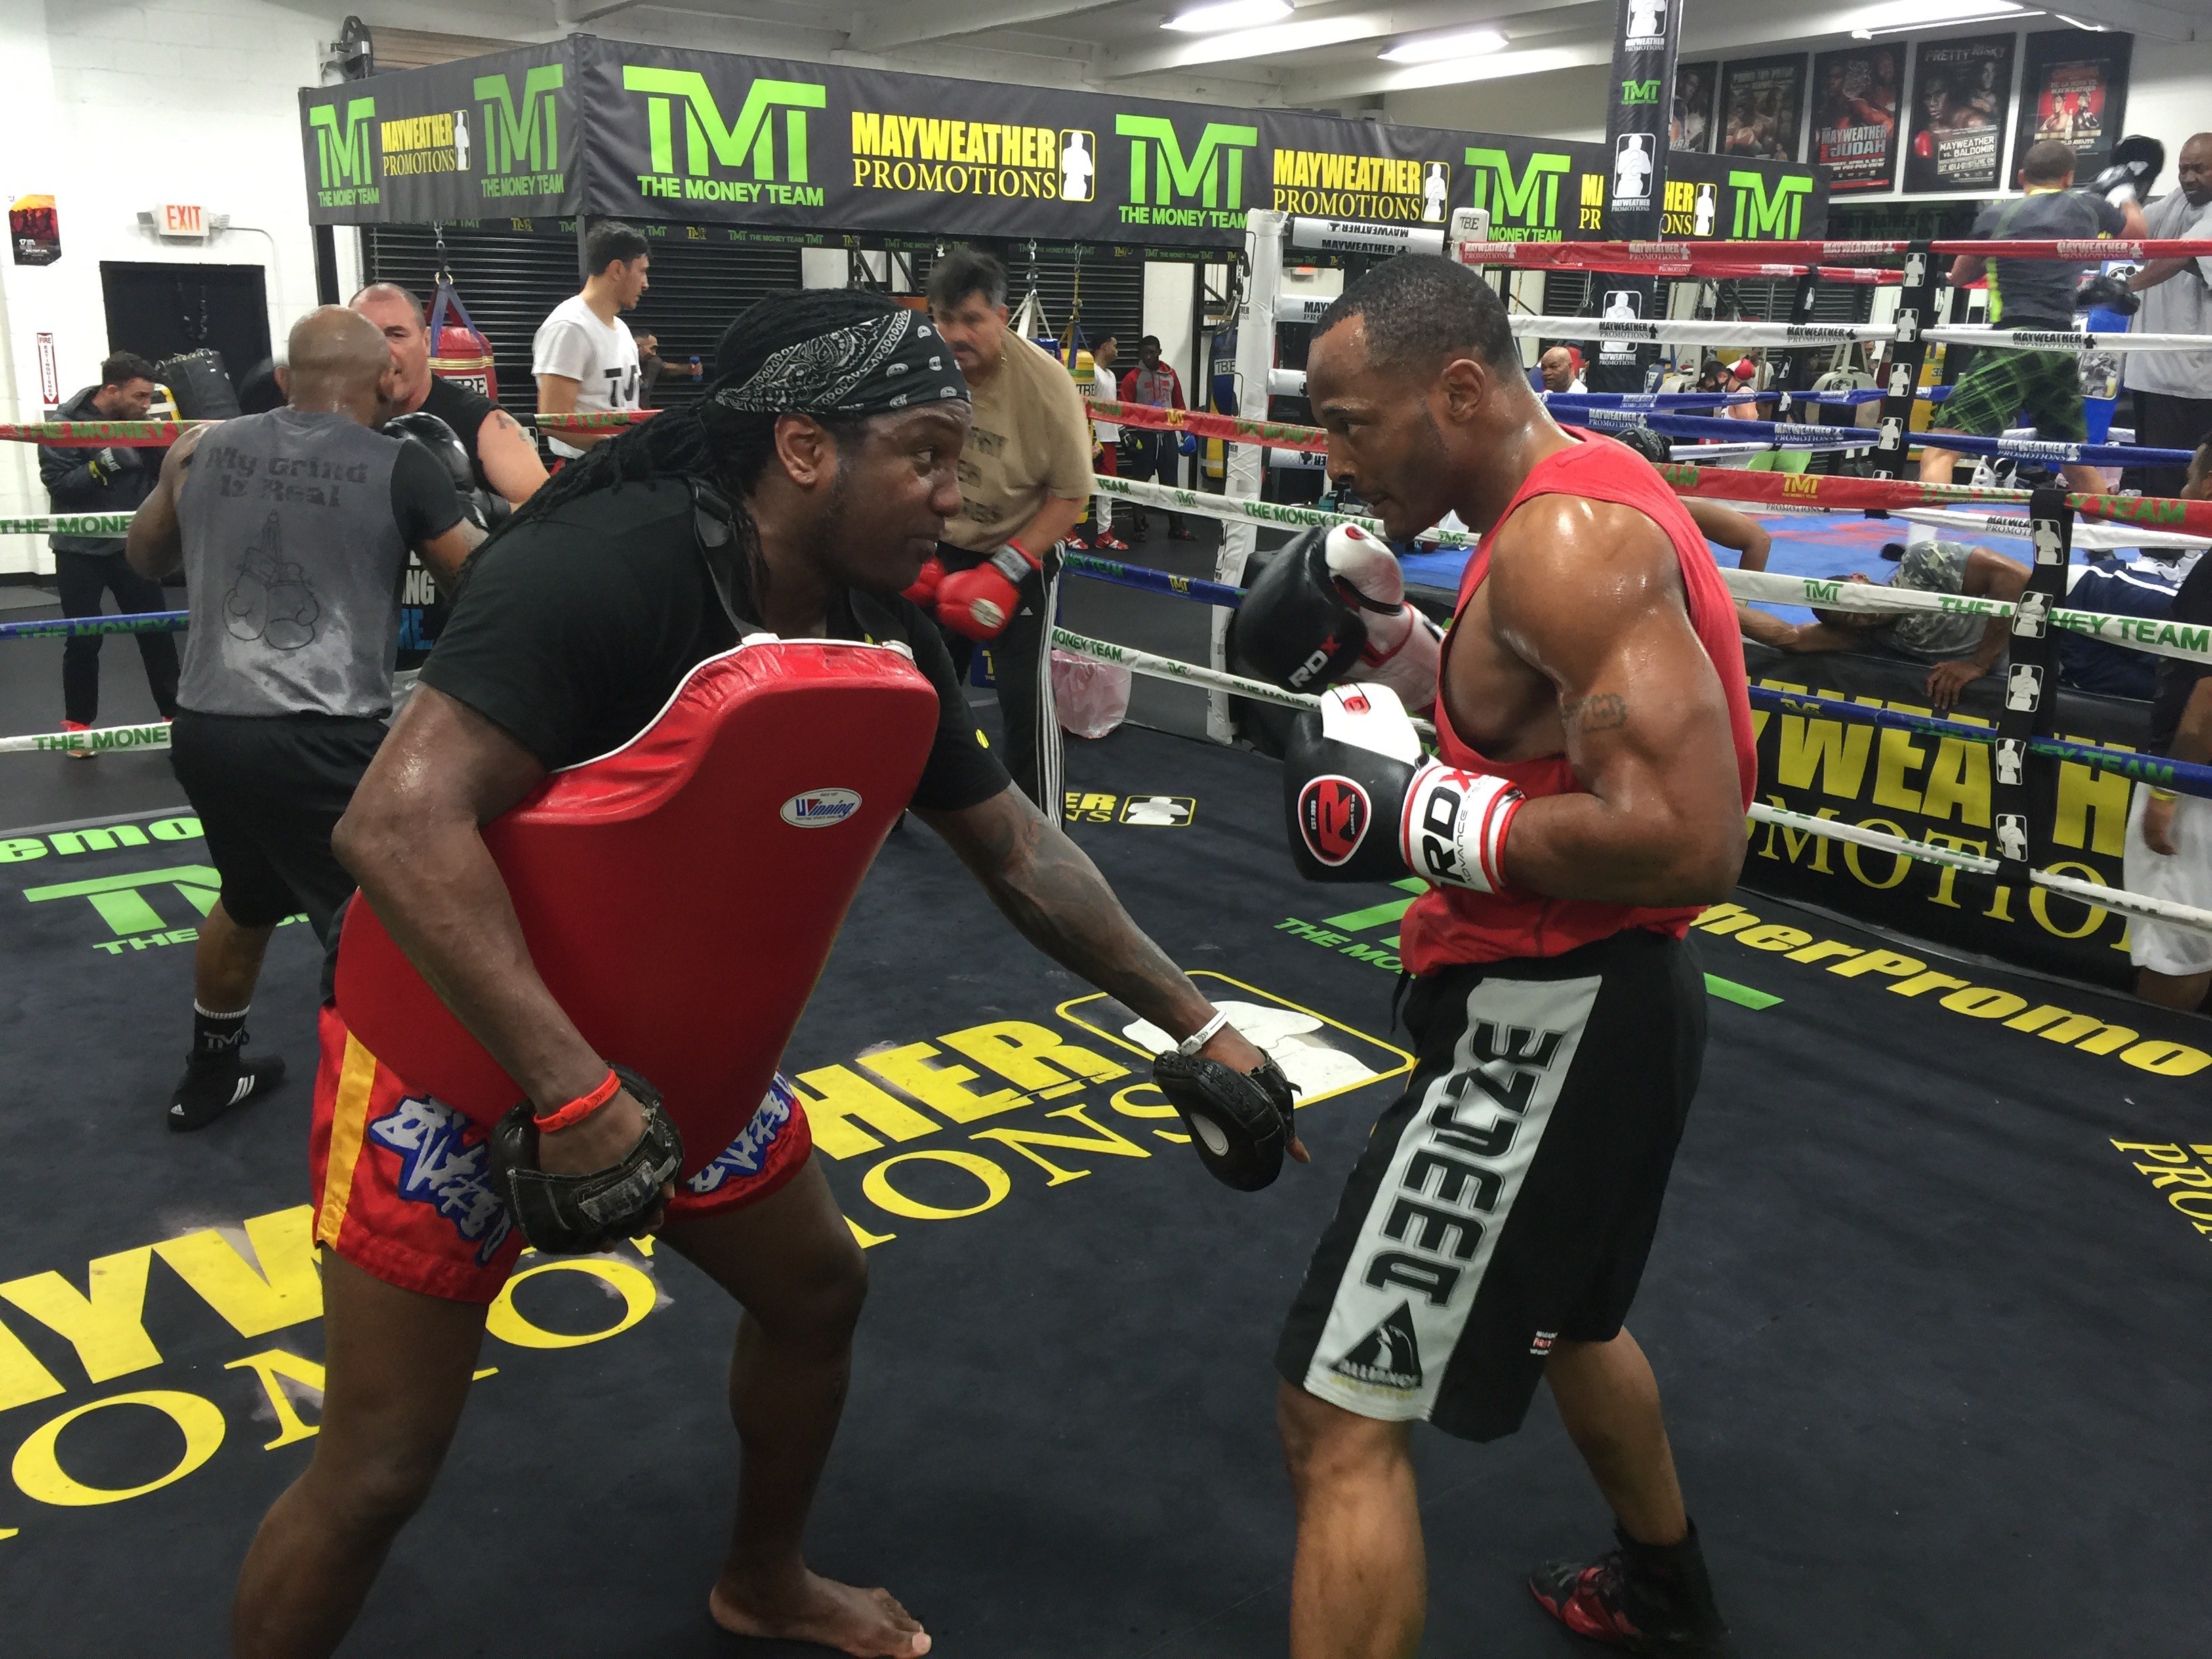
(1228, 14)
(1895, 14)
(2093, 28)
(1269, 42)
(1439, 48)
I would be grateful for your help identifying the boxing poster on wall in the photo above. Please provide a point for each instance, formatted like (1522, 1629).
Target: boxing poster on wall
(1961, 99)
(2074, 90)
(1762, 107)
(1855, 94)
(1691, 124)
(781, 148)
(34, 230)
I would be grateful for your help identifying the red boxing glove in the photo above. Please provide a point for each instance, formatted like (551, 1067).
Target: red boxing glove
(924, 590)
(979, 603)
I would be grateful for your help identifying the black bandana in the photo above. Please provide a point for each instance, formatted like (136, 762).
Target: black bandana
(896, 361)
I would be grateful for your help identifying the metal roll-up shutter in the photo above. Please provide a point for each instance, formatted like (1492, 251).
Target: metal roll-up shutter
(510, 280)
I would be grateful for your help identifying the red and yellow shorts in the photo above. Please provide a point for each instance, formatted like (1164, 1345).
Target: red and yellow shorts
(403, 1187)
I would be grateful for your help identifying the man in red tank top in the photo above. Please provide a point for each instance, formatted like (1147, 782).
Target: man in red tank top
(1594, 759)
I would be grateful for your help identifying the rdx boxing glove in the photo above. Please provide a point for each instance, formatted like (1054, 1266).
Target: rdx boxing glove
(981, 602)
(1362, 803)
(1332, 607)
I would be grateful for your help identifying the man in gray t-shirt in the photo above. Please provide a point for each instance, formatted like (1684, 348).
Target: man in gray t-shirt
(1961, 646)
(294, 528)
(2034, 294)
(2174, 389)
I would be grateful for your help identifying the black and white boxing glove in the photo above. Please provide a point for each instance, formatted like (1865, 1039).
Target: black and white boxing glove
(2137, 162)
(447, 448)
(1362, 803)
(1332, 607)
(2106, 292)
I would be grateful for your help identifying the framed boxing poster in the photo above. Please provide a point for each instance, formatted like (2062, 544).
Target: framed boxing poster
(1961, 106)
(1855, 94)
(1691, 126)
(2075, 89)
(1763, 107)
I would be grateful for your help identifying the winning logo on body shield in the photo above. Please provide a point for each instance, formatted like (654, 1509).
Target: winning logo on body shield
(817, 809)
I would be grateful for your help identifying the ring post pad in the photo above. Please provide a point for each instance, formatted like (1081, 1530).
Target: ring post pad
(680, 895)
(1239, 1122)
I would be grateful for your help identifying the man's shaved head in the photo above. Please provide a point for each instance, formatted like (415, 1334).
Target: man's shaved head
(1421, 310)
(335, 358)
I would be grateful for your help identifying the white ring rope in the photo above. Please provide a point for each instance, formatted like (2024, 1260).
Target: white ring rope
(99, 741)
(2112, 898)
(1691, 331)
(2095, 537)
(2180, 640)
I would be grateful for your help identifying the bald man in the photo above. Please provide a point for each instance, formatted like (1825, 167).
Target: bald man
(293, 528)
(1557, 365)
(2174, 389)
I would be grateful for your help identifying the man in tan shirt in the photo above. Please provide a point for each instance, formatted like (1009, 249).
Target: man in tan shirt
(1025, 476)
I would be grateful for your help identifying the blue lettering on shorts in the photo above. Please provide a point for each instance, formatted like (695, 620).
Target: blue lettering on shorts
(443, 1167)
(748, 1154)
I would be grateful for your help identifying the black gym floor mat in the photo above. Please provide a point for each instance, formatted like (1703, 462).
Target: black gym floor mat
(1932, 1346)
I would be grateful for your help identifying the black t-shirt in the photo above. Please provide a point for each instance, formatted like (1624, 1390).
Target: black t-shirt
(2039, 293)
(423, 503)
(573, 630)
(466, 411)
(2177, 679)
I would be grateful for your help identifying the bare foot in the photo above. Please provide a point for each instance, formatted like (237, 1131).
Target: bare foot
(867, 1623)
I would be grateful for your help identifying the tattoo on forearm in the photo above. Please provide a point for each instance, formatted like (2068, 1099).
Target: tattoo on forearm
(1055, 895)
(1602, 713)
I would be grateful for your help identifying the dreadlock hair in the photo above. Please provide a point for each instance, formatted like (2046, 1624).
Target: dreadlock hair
(723, 448)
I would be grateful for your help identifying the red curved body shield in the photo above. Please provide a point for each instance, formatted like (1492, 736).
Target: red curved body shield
(680, 896)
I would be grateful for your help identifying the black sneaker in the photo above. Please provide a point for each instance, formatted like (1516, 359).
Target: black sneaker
(210, 1087)
(1641, 1598)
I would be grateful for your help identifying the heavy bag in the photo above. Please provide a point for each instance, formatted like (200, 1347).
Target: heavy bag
(200, 385)
(458, 352)
(680, 896)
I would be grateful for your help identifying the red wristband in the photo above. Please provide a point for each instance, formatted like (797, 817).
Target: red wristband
(580, 1107)
(1028, 557)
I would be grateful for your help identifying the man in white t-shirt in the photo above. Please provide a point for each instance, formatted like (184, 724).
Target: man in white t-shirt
(585, 361)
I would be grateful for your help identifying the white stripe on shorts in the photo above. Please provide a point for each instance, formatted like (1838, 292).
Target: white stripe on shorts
(1434, 1223)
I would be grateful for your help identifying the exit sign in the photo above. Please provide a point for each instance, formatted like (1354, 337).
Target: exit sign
(183, 219)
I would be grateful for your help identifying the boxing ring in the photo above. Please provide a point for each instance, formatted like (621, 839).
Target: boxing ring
(1923, 1203)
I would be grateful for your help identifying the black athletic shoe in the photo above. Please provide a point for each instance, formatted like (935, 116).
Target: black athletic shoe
(1642, 1598)
(210, 1087)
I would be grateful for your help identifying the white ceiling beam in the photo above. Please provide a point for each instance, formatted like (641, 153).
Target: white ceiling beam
(1360, 81)
(910, 22)
(1375, 23)
(2137, 17)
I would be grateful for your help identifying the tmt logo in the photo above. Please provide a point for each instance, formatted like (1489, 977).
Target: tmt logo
(1757, 212)
(522, 147)
(345, 154)
(749, 142)
(1166, 188)
(1639, 92)
(1521, 208)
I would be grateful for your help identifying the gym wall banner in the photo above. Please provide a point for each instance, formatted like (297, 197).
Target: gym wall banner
(2075, 89)
(1646, 35)
(1961, 101)
(1936, 789)
(1762, 107)
(649, 133)
(1855, 94)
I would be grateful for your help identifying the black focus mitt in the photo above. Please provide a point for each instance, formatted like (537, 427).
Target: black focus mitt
(576, 1214)
(1240, 1122)
(2103, 293)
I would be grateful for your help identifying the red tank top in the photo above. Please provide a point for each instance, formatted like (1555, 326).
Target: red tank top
(1450, 925)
